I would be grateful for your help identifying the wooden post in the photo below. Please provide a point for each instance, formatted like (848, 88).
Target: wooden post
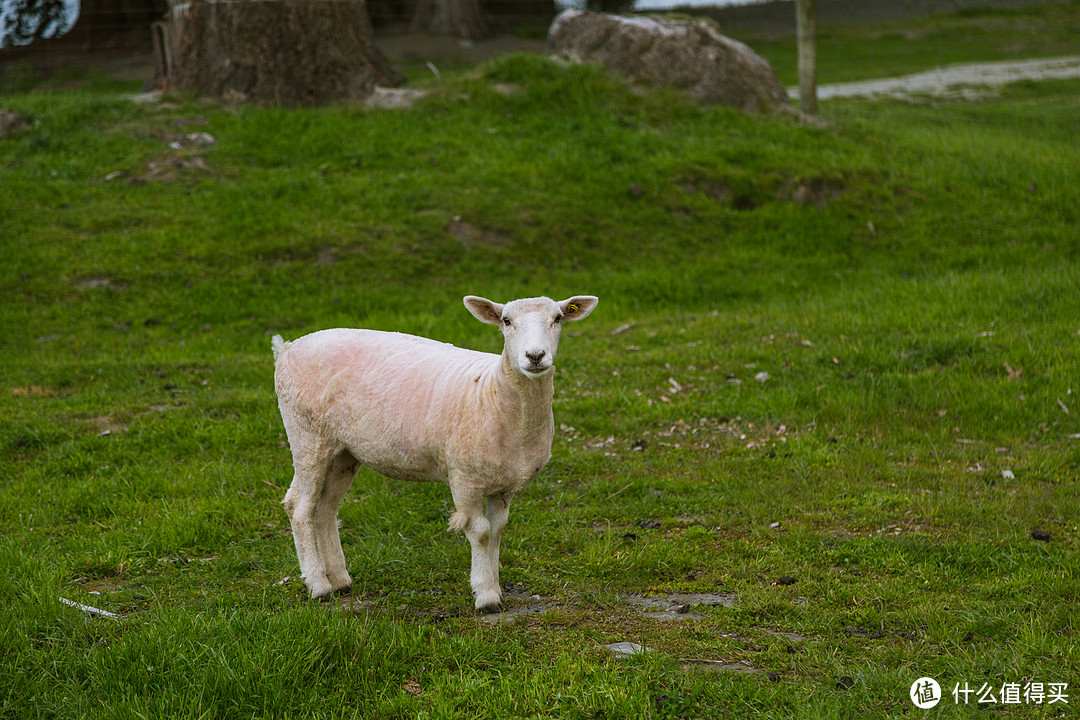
(804, 31)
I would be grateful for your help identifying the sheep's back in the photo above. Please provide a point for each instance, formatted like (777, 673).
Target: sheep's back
(395, 401)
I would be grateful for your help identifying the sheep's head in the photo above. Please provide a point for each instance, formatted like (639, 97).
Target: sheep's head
(531, 327)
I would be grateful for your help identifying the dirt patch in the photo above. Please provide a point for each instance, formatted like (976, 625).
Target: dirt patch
(471, 235)
(36, 391)
(171, 168)
(11, 122)
(721, 666)
(793, 637)
(627, 649)
(349, 604)
(702, 434)
(105, 425)
(96, 586)
(815, 191)
(520, 603)
(517, 603)
(180, 161)
(679, 606)
(393, 98)
(95, 281)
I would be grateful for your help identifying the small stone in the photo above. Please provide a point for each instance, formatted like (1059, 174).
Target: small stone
(626, 649)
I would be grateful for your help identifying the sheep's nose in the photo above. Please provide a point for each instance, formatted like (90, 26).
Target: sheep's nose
(535, 356)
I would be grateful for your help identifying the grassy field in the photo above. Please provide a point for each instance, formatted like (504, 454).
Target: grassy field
(831, 388)
(857, 51)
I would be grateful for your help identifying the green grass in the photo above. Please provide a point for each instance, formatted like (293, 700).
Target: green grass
(859, 51)
(907, 277)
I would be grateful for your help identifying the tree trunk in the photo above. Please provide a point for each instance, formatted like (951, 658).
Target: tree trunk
(278, 52)
(804, 30)
(516, 15)
(462, 18)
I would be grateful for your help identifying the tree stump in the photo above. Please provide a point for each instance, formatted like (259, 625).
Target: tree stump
(276, 52)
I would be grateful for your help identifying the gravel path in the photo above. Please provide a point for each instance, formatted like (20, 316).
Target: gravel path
(967, 80)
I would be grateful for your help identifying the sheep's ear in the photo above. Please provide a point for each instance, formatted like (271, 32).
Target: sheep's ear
(484, 310)
(578, 306)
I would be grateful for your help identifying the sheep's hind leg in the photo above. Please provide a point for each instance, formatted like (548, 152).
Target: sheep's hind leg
(469, 516)
(338, 479)
(311, 463)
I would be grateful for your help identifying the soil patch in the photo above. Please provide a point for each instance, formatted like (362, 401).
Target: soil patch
(517, 603)
(679, 606)
(720, 666)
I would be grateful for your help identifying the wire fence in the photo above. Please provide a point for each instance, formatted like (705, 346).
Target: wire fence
(121, 31)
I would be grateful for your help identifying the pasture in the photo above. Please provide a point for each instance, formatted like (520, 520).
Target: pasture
(820, 438)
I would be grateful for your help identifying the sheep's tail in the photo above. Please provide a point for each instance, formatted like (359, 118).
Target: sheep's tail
(458, 522)
(279, 344)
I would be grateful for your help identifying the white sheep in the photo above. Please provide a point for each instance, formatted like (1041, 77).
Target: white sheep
(416, 409)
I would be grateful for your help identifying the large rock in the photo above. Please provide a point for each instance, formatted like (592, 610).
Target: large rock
(690, 55)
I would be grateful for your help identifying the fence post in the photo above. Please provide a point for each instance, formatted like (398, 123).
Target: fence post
(804, 31)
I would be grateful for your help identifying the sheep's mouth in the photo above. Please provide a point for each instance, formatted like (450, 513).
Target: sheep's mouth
(537, 370)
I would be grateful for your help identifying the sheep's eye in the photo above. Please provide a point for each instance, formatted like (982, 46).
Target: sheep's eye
(557, 320)
(506, 321)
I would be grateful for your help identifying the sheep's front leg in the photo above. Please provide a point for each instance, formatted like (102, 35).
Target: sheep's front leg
(469, 516)
(497, 512)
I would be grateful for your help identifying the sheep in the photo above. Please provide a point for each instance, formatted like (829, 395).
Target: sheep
(416, 409)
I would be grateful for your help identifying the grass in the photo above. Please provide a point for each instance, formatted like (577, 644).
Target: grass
(859, 51)
(847, 356)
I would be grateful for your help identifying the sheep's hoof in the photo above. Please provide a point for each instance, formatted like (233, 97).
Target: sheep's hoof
(488, 601)
(329, 595)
